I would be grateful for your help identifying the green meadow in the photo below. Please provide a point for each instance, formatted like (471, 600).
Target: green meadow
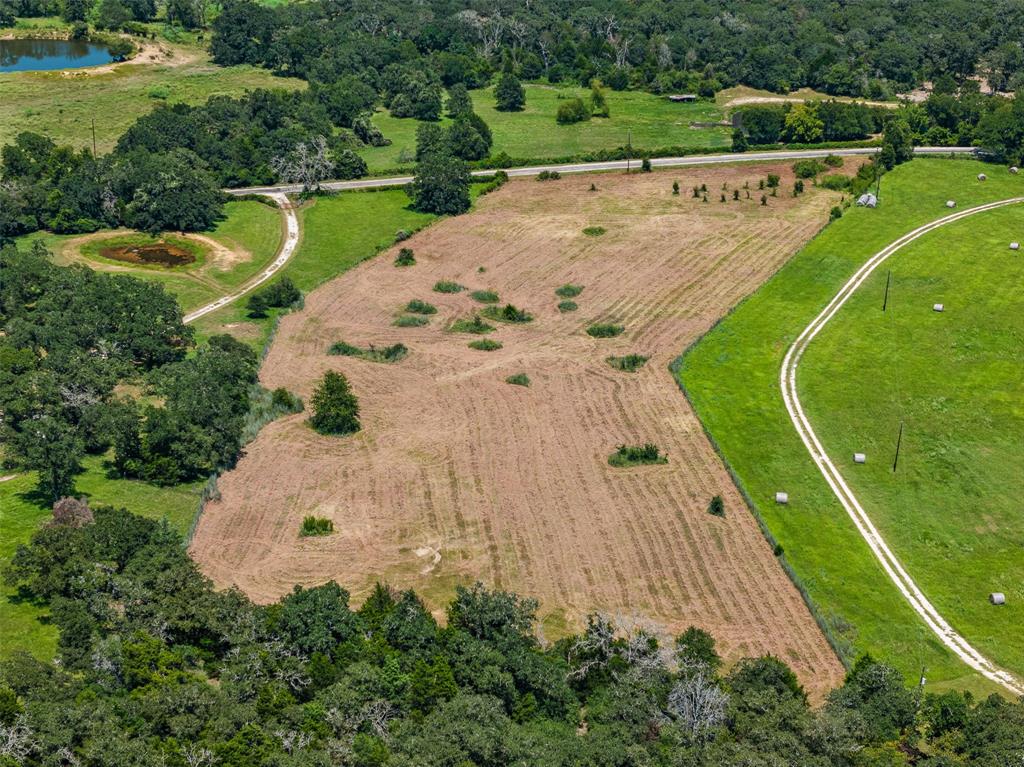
(648, 121)
(863, 375)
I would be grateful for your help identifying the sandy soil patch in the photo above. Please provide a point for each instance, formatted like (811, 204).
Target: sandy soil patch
(510, 484)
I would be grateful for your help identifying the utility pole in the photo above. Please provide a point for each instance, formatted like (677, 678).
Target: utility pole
(888, 280)
(899, 441)
(94, 138)
(629, 149)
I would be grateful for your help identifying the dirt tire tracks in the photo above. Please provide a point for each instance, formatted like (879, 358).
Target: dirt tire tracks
(288, 245)
(890, 564)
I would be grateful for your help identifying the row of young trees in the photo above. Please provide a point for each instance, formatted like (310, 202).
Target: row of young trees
(869, 48)
(157, 667)
(71, 337)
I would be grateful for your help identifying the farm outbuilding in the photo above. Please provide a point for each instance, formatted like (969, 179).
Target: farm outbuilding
(997, 598)
(684, 98)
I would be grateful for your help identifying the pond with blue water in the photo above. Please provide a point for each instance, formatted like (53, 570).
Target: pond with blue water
(26, 55)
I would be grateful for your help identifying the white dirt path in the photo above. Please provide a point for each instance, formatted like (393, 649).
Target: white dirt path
(787, 380)
(291, 241)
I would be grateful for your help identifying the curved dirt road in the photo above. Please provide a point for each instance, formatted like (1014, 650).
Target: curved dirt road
(787, 380)
(291, 240)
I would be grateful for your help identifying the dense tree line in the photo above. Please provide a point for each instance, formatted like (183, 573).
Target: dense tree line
(871, 48)
(70, 337)
(156, 667)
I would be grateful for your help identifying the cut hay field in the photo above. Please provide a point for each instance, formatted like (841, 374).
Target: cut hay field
(653, 122)
(951, 512)
(459, 475)
(64, 104)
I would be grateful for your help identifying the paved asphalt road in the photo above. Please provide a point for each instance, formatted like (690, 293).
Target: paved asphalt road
(590, 167)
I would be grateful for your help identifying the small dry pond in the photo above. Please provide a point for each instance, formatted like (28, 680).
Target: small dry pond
(157, 254)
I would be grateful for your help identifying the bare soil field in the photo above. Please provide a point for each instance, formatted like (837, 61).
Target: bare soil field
(458, 475)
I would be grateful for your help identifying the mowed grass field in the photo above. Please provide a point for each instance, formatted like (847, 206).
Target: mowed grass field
(63, 105)
(649, 121)
(952, 511)
(732, 374)
(241, 245)
(338, 232)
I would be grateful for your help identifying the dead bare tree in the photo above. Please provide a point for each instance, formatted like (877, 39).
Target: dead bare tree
(16, 741)
(308, 164)
(293, 740)
(196, 756)
(697, 704)
(378, 714)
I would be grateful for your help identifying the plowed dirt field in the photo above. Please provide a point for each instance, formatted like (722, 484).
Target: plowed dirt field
(458, 475)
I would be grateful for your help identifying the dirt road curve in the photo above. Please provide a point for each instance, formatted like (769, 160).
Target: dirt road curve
(288, 245)
(787, 380)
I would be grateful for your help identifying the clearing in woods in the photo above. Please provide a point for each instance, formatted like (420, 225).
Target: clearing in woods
(456, 475)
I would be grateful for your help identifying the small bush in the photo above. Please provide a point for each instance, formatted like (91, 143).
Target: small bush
(567, 306)
(675, 187)
(386, 354)
(773, 180)
(447, 286)
(279, 295)
(508, 313)
(834, 161)
(605, 330)
(313, 526)
(475, 325)
(282, 399)
(594, 231)
(569, 291)
(717, 506)
(837, 182)
(645, 166)
(405, 257)
(835, 214)
(549, 175)
(402, 235)
(519, 379)
(484, 296)
(572, 111)
(807, 168)
(637, 455)
(629, 363)
(420, 307)
(798, 187)
(485, 345)
(410, 321)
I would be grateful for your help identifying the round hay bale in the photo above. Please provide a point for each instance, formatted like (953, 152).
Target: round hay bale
(1014, 246)
(1013, 170)
(950, 203)
(982, 177)
(860, 458)
(939, 308)
(782, 498)
(997, 598)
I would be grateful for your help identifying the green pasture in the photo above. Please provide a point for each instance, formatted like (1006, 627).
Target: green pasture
(649, 121)
(732, 377)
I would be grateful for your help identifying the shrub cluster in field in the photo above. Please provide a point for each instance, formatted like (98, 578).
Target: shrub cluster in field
(519, 379)
(568, 291)
(485, 345)
(507, 313)
(405, 257)
(605, 330)
(594, 231)
(637, 455)
(448, 286)
(386, 354)
(410, 321)
(315, 526)
(484, 296)
(630, 363)
(416, 306)
(475, 325)
(567, 306)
